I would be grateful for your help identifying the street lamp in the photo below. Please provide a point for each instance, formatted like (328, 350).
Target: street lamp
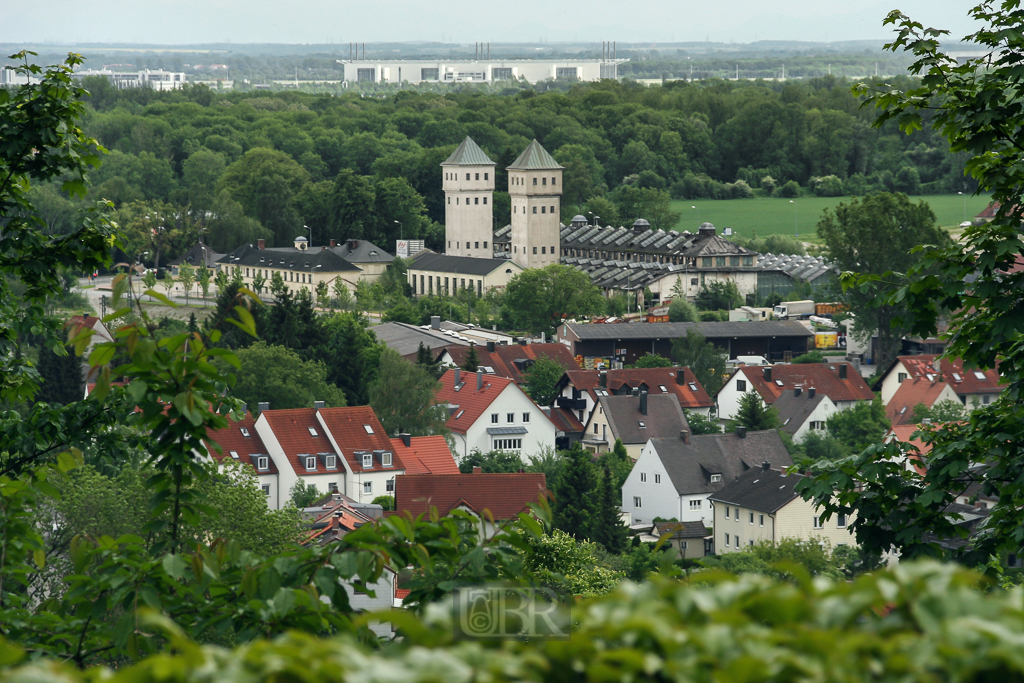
(796, 224)
(310, 231)
(965, 205)
(401, 230)
(596, 219)
(698, 214)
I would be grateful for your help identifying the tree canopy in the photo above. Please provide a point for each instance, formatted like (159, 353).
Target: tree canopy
(538, 299)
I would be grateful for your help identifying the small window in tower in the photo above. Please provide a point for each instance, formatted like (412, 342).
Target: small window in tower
(449, 200)
(485, 245)
(485, 200)
(552, 209)
(544, 181)
(543, 209)
(476, 245)
(478, 176)
(486, 176)
(554, 180)
(476, 200)
(534, 181)
(467, 176)
(535, 209)
(456, 201)
(535, 250)
(543, 250)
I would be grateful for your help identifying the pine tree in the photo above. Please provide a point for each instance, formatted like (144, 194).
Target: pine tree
(754, 414)
(619, 462)
(62, 376)
(609, 530)
(425, 360)
(574, 510)
(472, 361)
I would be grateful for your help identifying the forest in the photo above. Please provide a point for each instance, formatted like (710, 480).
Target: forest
(241, 166)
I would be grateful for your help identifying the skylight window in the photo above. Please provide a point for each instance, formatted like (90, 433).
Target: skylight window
(234, 454)
(930, 376)
(979, 374)
(957, 377)
(459, 414)
(642, 425)
(693, 387)
(312, 431)
(787, 421)
(780, 383)
(245, 432)
(663, 389)
(368, 428)
(903, 410)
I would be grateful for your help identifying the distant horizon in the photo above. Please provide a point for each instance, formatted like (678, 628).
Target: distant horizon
(183, 23)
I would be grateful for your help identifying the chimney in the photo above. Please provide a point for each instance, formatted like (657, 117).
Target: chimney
(937, 366)
(602, 379)
(262, 244)
(458, 376)
(263, 405)
(543, 337)
(810, 392)
(643, 402)
(797, 391)
(406, 439)
(318, 405)
(479, 379)
(765, 466)
(741, 431)
(767, 374)
(842, 371)
(333, 244)
(684, 435)
(435, 322)
(352, 244)
(490, 347)
(477, 469)
(681, 376)
(245, 408)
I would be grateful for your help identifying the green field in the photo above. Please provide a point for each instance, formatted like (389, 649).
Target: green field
(769, 216)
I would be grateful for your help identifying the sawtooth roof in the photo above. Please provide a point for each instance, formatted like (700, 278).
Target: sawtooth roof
(534, 158)
(468, 153)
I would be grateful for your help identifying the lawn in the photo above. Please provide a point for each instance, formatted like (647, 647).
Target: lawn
(769, 216)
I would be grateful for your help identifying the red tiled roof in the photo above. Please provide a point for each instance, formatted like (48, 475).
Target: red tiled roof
(503, 358)
(968, 382)
(654, 378)
(566, 421)
(402, 593)
(823, 377)
(348, 427)
(291, 427)
(900, 409)
(504, 494)
(231, 439)
(471, 403)
(425, 455)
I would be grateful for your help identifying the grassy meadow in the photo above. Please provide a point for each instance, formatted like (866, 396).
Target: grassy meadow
(770, 216)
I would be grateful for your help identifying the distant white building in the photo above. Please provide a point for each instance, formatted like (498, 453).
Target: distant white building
(157, 79)
(478, 71)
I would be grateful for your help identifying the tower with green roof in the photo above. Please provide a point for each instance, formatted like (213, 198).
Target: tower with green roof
(535, 186)
(469, 195)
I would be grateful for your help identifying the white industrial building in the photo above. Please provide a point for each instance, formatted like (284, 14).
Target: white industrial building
(157, 79)
(477, 71)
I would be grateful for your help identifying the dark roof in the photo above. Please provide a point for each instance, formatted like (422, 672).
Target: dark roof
(468, 154)
(793, 410)
(683, 529)
(690, 464)
(715, 330)
(760, 489)
(534, 158)
(197, 255)
(468, 265)
(362, 251)
(406, 339)
(289, 258)
(664, 417)
(504, 494)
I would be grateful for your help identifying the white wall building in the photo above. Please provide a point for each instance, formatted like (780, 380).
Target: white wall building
(469, 194)
(477, 71)
(157, 79)
(839, 381)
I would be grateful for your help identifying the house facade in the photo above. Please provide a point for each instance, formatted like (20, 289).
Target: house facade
(634, 419)
(240, 442)
(803, 411)
(839, 381)
(973, 387)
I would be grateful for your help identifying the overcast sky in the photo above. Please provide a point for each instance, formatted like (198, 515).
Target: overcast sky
(179, 22)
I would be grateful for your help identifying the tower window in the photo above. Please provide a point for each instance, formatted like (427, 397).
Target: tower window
(449, 200)
(476, 245)
(554, 180)
(544, 181)
(478, 176)
(485, 245)
(486, 176)
(543, 250)
(476, 200)
(485, 200)
(552, 209)
(456, 201)
(535, 209)
(467, 176)
(535, 251)
(542, 209)
(534, 181)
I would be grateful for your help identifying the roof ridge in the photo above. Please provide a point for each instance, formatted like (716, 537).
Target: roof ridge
(468, 153)
(534, 158)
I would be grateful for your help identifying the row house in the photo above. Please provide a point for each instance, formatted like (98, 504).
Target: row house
(839, 381)
(971, 387)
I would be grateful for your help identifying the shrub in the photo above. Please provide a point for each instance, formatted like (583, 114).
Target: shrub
(790, 190)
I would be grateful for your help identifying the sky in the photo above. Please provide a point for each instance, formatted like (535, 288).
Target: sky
(186, 22)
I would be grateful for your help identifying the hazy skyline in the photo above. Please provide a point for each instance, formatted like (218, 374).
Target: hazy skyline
(183, 22)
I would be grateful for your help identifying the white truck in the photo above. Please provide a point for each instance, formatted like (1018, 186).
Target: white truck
(795, 310)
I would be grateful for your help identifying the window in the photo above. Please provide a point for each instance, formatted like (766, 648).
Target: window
(595, 429)
(526, 418)
(737, 514)
(727, 540)
(751, 541)
(310, 462)
(385, 459)
(494, 418)
(748, 260)
(368, 428)
(510, 417)
(552, 209)
(312, 432)
(543, 181)
(900, 376)
(554, 180)
(543, 209)
(478, 176)
(737, 538)
(817, 522)
(841, 521)
(535, 208)
(741, 386)
(262, 463)
(389, 485)
(476, 245)
(727, 512)
(695, 505)
(266, 489)
(720, 261)
(367, 459)
(986, 399)
(637, 502)
(734, 260)
(543, 250)
(368, 487)
(705, 261)
(332, 487)
(657, 478)
(682, 545)
(751, 517)
(534, 181)
(762, 520)
(979, 375)
(508, 444)
(330, 461)
(245, 432)
(486, 176)
(535, 248)
(467, 176)
(485, 200)
(715, 478)
(234, 454)
(643, 476)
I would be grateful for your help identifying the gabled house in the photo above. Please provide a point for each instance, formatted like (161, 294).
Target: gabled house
(510, 360)
(918, 390)
(368, 456)
(635, 419)
(424, 454)
(803, 411)
(839, 381)
(762, 505)
(973, 388)
(689, 540)
(240, 442)
(578, 390)
(490, 413)
(673, 477)
(335, 516)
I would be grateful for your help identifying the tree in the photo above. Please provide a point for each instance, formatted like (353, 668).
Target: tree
(259, 282)
(653, 360)
(227, 226)
(879, 235)
(60, 370)
(280, 376)
(149, 280)
(404, 397)
(681, 311)
(702, 357)
(472, 360)
(265, 182)
(810, 357)
(859, 427)
(575, 508)
(753, 414)
(303, 494)
(342, 296)
(539, 299)
(700, 424)
(609, 530)
(947, 410)
(823, 446)
(322, 294)
(353, 357)
(718, 295)
(386, 502)
(541, 380)
(620, 463)
(204, 280)
(648, 203)
(425, 359)
(581, 175)
(491, 461)
(351, 204)
(187, 278)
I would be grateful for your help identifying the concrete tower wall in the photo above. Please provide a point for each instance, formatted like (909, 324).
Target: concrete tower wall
(468, 210)
(536, 208)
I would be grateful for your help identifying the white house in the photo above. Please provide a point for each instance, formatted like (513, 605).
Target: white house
(673, 477)
(240, 442)
(368, 455)
(633, 419)
(803, 411)
(490, 413)
(973, 388)
(839, 381)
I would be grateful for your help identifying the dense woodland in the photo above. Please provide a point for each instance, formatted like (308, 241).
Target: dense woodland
(242, 166)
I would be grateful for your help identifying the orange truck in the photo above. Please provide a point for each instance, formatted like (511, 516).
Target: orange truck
(829, 309)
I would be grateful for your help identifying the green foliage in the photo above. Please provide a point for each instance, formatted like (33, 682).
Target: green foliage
(860, 426)
(753, 414)
(541, 380)
(823, 446)
(472, 360)
(576, 506)
(425, 359)
(539, 299)
(946, 410)
(621, 465)
(403, 397)
(810, 357)
(353, 357)
(778, 559)
(718, 295)
(280, 376)
(699, 424)
(386, 502)
(303, 494)
(566, 563)
(61, 375)
(653, 360)
(609, 530)
(703, 358)
(772, 244)
(681, 311)
(491, 461)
